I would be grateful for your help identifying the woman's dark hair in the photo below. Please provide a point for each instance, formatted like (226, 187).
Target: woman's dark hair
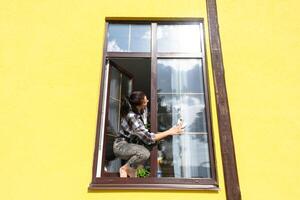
(130, 103)
(136, 98)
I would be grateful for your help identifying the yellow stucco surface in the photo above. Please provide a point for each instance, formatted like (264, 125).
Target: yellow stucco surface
(261, 43)
(50, 68)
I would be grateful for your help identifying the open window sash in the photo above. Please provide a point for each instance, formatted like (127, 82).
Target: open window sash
(119, 85)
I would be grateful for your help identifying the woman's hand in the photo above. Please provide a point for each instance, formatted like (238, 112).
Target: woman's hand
(176, 130)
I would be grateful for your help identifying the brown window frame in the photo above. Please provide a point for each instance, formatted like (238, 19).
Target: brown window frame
(231, 179)
(108, 182)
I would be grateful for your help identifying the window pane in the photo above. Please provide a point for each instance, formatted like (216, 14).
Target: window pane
(180, 76)
(191, 76)
(168, 111)
(140, 38)
(126, 86)
(129, 38)
(191, 108)
(112, 164)
(185, 156)
(168, 76)
(180, 95)
(113, 117)
(118, 37)
(115, 83)
(179, 38)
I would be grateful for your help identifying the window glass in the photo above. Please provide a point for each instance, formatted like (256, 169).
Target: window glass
(180, 96)
(184, 38)
(113, 116)
(129, 38)
(112, 164)
(185, 156)
(180, 76)
(140, 38)
(126, 86)
(115, 83)
(191, 108)
(118, 37)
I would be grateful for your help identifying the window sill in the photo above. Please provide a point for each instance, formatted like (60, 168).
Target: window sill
(94, 187)
(153, 184)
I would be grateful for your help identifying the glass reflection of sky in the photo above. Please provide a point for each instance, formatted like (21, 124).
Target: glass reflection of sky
(190, 107)
(180, 76)
(118, 37)
(181, 95)
(179, 38)
(129, 38)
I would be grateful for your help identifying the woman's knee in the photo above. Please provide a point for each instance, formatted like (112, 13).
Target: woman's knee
(120, 150)
(145, 154)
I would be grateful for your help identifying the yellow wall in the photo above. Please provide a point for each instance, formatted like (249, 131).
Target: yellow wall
(261, 46)
(50, 65)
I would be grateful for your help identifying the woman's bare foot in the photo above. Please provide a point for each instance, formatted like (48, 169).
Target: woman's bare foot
(123, 173)
(131, 172)
(126, 170)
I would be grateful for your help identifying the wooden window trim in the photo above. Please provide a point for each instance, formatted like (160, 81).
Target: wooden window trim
(225, 131)
(127, 55)
(153, 102)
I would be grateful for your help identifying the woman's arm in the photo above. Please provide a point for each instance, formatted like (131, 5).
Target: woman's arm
(139, 130)
(176, 130)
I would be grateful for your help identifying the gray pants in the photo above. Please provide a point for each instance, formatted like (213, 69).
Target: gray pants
(135, 154)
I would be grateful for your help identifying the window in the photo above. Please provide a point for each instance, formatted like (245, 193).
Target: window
(166, 60)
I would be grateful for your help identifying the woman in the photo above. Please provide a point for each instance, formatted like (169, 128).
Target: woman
(133, 136)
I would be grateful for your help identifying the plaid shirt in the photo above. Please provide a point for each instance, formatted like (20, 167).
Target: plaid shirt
(133, 129)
